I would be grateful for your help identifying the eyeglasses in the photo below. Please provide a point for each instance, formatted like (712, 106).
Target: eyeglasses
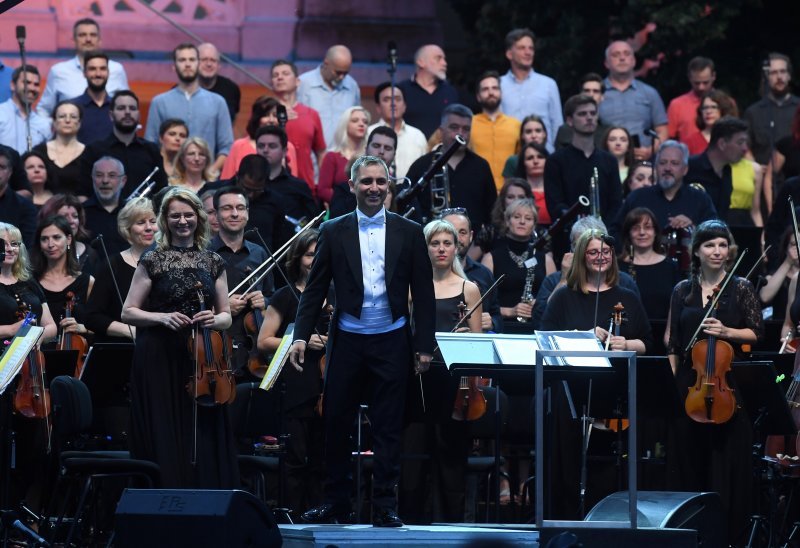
(13, 245)
(606, 251)
(68, 117)
(229, 208)
(453, 211)
(179, 216)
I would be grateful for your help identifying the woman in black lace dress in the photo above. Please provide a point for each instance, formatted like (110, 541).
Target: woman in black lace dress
(713, 457)
(163, 304)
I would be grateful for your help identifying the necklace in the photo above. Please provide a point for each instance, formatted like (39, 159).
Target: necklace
(519, 260)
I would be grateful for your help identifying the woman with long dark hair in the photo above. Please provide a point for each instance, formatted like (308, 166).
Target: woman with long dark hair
(70, 207)
(530, 167)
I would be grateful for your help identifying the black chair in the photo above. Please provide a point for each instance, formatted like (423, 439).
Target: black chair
(254, 414)
(484, 428)
(71, 417)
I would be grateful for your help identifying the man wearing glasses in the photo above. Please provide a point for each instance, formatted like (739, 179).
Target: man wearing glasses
(108, 180)
(241, 258)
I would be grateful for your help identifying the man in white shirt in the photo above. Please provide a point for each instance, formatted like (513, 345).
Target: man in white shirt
(66, 80)
(411, 142)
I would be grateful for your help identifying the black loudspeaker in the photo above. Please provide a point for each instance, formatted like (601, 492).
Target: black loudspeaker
(671, 510)
(199, 518)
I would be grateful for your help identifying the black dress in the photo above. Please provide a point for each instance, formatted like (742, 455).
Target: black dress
(57, 300)
(710, 457)
(508, 257)
(104, 305)
(656, 282)
(68, 178)
(161, 407)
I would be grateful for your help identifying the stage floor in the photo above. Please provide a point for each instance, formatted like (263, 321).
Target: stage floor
(306, 536)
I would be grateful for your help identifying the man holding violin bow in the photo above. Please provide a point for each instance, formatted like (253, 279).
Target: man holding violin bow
(241, 258)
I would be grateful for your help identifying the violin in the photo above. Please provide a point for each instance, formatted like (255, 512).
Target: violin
(32, 398)
(618, 423)
(711, 400)
(212, 383)
(470, 403)
(74, 341)
(256, 363)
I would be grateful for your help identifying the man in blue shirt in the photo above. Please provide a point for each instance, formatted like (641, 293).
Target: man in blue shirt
(329, 89)
(14, 120)
(96, 124)
(5, 81)
(205, 113)
(524, 90)
(631, 103)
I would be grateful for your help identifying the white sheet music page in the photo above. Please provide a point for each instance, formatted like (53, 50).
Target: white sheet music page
(516, 351)
(278, 359)
(16, 352)
(581, 344)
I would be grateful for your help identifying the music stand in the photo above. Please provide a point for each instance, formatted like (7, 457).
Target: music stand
(58, 363)
(763, 398)
(107, 373)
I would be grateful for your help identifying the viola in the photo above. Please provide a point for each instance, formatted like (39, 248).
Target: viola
(212, 383)
(74, 341)
(32, 398)
(618, 423)
(470, 403)
(678, 242)
(711, 400)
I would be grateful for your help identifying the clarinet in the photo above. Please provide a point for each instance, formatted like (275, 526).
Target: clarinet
(527, 291)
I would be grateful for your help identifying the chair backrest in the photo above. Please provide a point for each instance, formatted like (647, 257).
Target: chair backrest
(72, 407)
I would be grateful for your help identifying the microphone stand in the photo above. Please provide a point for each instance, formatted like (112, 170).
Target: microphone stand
(24, 74)
(392, 70)
(114, 279)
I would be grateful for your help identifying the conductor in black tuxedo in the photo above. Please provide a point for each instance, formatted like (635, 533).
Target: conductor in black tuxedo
(374, 257)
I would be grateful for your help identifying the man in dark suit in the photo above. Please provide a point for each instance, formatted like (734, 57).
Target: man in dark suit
(373, 257)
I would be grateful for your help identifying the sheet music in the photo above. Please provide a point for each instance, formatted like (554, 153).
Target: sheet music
(516, 351)
(279, 359)
(16, 352)
(580, 344)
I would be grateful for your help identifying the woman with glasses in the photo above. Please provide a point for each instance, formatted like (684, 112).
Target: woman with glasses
(193, 168)
(713, 457)
(587, 302)
(20, 294)
(64, 152)
(178, 286)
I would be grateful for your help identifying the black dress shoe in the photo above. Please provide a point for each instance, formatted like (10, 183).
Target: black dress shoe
(386, 517)
(327, 513)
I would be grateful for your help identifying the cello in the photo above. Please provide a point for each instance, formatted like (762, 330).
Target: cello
(212, 382)
(73, 341)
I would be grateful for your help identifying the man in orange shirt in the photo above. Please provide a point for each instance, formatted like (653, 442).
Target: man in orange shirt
(682, 111)
(495, 136)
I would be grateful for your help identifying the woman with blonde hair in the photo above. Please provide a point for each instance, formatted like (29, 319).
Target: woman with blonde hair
(193, 167)
(349, 141)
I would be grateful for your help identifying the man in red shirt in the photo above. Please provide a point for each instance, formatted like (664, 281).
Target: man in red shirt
(304, 127)
(682, 111)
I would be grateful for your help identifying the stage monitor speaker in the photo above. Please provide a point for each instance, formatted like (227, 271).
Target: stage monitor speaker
(669, 510)
(157, 518)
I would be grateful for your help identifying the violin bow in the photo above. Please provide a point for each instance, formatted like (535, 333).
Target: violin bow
(713, 302)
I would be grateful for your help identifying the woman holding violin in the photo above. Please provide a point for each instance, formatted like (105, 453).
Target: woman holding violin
(592, 283)
(713, 456)
(440, 427)
(304, 475)
(55, 265)
(20, 294)
(136, 222)
(192, 443)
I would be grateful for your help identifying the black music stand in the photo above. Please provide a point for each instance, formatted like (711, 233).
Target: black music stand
(107, 375)
(59, 362)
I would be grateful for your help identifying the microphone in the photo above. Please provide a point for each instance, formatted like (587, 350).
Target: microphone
(21, 35)
(11, 521)
(2, 249)
(392, 48)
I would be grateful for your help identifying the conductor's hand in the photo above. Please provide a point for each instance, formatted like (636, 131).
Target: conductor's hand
(423, 362)
(297, 354)
(176, 320)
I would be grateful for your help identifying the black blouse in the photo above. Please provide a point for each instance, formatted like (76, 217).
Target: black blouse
(655, 282)
(507, 255)
(26, 294)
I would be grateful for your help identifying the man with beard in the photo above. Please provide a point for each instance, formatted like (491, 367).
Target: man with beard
(569, 170)
(66, 79)
(213, 81)
(770, 118)
(329, 89)
(674, 204)
(470, 177)
(427, 93)
(525, 90)
(96, 122)
(108, 180)
(205, 113)
(495, 136)
(137, 155)
(17, 112)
